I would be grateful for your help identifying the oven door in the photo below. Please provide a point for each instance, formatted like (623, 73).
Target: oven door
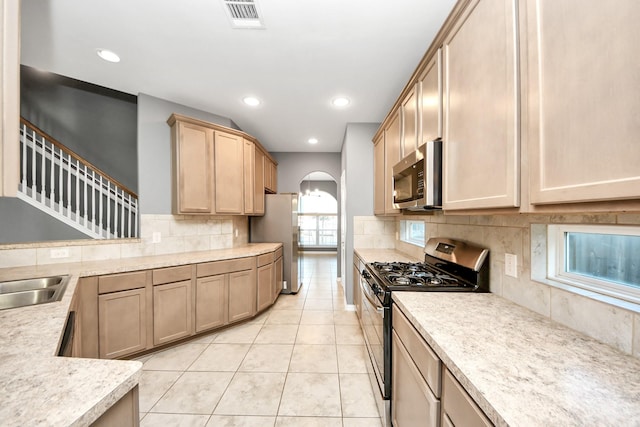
(373, 327)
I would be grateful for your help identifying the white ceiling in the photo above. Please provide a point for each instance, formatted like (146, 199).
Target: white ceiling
(188, 53)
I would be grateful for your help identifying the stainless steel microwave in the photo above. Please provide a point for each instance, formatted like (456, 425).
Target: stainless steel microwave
(417, 179)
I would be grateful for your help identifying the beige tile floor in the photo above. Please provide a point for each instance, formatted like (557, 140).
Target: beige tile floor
(301, 363)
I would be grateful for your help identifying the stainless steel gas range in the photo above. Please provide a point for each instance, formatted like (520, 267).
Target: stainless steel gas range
(449, 266)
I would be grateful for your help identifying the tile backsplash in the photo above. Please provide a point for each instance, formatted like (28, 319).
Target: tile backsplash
(177, 233)
(374, 232)
(525, 236)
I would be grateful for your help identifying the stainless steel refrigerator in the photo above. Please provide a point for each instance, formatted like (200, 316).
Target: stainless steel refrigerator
(280, 224)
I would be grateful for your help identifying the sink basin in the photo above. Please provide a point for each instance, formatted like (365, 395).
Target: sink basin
(20, 293)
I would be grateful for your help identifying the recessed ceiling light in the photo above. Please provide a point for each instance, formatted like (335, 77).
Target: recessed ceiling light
(108, 55)
(313, 140)
(340, 101)
(251, 101)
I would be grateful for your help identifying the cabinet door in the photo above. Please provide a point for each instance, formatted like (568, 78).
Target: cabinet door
(379, 174)
(409, 123)
(391, 158)
(242, 295)
(412, 403)
(258, 187)
(270, 176)
(430, 110)
(211, 302)
(249, 176)
(193, 168)
(229, 175)
(458, 408)
(122, 326)
(583, 104)
(264, 286)
(481, 138)
(278, 267)
(171, 312)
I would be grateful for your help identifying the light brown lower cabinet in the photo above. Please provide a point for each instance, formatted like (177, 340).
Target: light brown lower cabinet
(458, 409)
(242, 295)
(211, 302)
(124, 413)
(171, 312)
(412, 402)
(122, 320)
(118, 315)
(266, 280)
(278, 266)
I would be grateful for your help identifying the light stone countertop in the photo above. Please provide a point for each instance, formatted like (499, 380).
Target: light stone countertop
(522, 368)
(40, 389)
(384, 255)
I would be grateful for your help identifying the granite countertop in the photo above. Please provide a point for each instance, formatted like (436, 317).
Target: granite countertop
(40, 389)
(523, 369)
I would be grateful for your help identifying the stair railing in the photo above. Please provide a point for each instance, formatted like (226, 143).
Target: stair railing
(60, 182)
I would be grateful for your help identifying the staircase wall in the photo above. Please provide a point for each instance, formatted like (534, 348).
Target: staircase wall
(23, 223)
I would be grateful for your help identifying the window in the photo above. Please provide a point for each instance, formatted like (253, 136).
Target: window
(318, 220)
(602, 259)
(412, 232)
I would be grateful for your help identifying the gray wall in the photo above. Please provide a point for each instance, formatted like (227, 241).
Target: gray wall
(154, 149)
(330, 187)
(97, 123)
(293, 167)
(22, 223)
(357, 165)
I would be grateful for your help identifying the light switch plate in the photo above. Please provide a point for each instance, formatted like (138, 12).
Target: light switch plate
(156, 237)
(511, 265)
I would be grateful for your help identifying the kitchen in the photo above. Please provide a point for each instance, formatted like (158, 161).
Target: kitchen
(496, 224)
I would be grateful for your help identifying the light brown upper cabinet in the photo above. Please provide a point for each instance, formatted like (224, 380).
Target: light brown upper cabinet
(217, 170)
(249, 176)
(379, 174)
(258, 186)
(430, 101)
(391, 157)
(9, 97)
(409, 123)
(270, 176)
(192, 165)
(386, 154)
(481, 159)
(229, 164)
(583, 105)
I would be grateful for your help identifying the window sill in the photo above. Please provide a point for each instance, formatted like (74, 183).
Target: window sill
(597, 296)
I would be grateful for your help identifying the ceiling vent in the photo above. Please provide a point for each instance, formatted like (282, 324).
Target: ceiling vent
(243, 14)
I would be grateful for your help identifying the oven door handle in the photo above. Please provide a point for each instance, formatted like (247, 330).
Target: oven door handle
(366, 290)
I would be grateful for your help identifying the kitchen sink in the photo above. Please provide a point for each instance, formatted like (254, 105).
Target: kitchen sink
(20, 293)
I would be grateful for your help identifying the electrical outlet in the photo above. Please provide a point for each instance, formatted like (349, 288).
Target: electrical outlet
(236, 232)
(156, 237)
(59, 253)
(511, 265)
(284, 284)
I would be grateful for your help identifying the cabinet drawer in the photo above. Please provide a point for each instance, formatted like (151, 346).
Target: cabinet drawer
(427, 362)
(121, 282)
(228, 266)
(171, 274)
(265, 259)
(278, 253)
(458, 406)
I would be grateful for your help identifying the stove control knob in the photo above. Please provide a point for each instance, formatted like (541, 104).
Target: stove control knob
(366, 274)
